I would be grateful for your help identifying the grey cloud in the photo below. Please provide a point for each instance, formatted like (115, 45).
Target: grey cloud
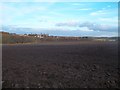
(98, 27)
(71, 24)
(90, 25)
(56, 32)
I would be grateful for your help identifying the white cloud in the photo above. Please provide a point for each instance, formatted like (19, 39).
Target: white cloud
(60, 1)
(30, 1)
(113, 20)
(85, 9)
(108, 6)
(46, 1)
(76, 4)
(100, 12)
(103, 8)
(105, 12)
(86, 29)
(56, 14)
(11, 1)
(19, 12)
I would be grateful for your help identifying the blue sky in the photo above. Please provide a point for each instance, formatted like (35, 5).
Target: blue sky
(62, 18)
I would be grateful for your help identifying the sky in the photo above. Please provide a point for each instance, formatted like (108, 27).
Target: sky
(61, 18)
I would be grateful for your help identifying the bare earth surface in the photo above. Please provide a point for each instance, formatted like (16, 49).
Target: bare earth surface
(60, 65)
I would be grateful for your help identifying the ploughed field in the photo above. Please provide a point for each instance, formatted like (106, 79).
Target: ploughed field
(85, 64)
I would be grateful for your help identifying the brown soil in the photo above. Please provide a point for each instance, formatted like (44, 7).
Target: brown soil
(60, 65)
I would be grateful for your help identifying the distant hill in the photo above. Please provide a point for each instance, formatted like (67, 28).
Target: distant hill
(14, 38)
